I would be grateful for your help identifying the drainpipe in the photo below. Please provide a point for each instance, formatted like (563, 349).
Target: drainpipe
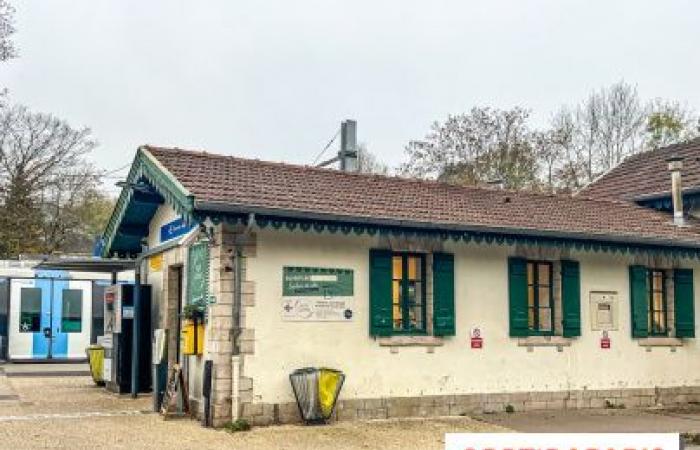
(675, 165)
(236, 312)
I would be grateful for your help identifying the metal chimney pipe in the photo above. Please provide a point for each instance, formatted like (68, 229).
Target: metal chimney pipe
(675, 165)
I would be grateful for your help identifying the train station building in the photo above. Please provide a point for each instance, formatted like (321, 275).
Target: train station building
(433, 299)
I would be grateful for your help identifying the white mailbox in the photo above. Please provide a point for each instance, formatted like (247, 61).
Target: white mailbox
(604, 307)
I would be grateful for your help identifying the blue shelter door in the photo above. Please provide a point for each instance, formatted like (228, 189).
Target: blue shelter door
(51, 341)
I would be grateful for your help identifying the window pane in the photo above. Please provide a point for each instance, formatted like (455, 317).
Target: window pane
(531, 296)
(414, 268)
(545, 316)
(411, 292)
(396, 301)
(30, 310)
(416, 317)
(659, 324)
(72, 313)
(417, 306)
(531, 318)
(530, 273)
(544, 297)
(543, 274)
(657, 280)
(397, 267)
(396, 291)
(398, 322)
(658, 301)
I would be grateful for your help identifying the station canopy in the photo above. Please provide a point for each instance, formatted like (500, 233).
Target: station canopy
(104, 265)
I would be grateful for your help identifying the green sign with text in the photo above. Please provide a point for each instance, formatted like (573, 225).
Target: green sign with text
(198, 273)
(317, 282)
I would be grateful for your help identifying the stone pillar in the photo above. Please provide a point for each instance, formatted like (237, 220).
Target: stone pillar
(219, 325)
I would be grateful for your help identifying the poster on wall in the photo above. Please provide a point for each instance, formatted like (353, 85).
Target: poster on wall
(317, 294)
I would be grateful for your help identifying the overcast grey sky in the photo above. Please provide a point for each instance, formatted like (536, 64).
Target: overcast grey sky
(273, 79)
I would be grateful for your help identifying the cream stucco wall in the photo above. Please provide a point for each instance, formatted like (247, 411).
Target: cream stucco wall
(453, 368)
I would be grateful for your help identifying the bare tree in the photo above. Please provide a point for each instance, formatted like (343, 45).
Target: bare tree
(549, 153)
(574, 165)
(7, 29)
(367, 162)
(42, 175)
(73, 211)
(622, 124)
(479, 146)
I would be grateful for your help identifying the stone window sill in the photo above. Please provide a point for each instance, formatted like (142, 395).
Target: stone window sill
(544, 341)
(660, 342)
(410, 341)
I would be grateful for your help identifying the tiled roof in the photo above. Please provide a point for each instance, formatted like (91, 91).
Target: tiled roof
(646, 174)
(249, 185)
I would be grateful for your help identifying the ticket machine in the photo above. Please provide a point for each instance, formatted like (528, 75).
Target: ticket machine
(119, 335)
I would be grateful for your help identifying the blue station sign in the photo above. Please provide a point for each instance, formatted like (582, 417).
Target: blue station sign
(173, 229)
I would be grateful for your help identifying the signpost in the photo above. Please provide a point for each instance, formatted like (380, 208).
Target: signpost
(317, 294)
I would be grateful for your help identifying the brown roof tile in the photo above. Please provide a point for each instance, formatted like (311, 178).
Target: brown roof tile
(302, 190)
(647, 174)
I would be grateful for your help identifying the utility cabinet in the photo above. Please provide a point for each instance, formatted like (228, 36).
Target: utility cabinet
(119, 324)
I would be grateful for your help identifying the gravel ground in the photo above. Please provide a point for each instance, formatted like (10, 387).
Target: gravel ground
(71, 413)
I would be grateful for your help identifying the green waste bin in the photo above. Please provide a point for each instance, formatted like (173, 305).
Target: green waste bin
(316, 391)
(96, 357)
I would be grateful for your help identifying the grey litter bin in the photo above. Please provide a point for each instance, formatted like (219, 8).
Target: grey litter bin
(316, 391)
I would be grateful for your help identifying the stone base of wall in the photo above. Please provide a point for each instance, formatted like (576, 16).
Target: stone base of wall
(262, 414)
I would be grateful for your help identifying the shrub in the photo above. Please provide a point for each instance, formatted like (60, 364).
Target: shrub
(236, 426)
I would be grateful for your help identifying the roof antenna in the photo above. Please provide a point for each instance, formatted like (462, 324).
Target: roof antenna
(347, 155)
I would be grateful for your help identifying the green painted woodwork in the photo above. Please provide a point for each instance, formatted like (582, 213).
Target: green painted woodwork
(517, 297)
(144, 168)
(198, 273)
(443, 294)
(317, 282)
(639, 301)
(571, 298)
(380, 295)
(684, 303)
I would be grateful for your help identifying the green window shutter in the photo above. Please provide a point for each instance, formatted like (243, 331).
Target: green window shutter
(684, 300)
(639, 301)
(443, 294)
(571, 298)
(517, 296)
(380, 295)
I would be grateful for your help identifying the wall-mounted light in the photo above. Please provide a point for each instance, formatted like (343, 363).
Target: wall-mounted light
(139, 186)
(207, 227)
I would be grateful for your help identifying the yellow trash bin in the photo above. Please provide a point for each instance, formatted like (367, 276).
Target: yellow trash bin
(96, 357)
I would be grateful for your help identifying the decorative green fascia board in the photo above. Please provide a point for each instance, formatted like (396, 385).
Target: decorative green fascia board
(147, 167)
(358, 229)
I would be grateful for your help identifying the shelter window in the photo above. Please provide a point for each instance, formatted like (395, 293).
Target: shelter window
(540, 301)
(72, 311)
(30, 310)
(658, 308)
(408, 292)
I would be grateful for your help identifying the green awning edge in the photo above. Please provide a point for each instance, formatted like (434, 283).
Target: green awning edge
(147, 167)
